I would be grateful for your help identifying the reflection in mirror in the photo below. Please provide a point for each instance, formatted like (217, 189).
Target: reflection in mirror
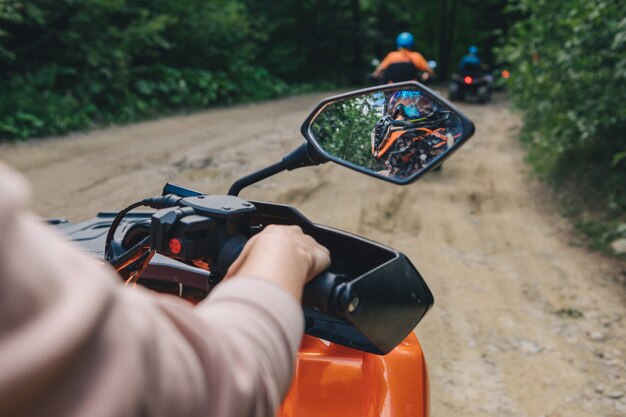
(392, 133)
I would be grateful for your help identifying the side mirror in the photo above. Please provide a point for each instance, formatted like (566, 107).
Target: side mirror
(395, 132)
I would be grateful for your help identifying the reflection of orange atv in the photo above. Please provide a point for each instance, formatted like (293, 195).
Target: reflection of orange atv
(408, 145)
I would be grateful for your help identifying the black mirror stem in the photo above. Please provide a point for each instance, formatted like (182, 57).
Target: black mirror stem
(303, 156)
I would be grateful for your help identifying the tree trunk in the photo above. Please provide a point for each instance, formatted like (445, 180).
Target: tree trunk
(444, 53)
(357, 51)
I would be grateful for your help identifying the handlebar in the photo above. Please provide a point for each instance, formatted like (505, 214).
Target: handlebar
(350, 304)
(324, 292)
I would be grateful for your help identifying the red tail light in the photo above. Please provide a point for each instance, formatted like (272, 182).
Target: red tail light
(468, 79)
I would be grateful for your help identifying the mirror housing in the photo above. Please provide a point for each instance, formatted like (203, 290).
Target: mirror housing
(396, 132)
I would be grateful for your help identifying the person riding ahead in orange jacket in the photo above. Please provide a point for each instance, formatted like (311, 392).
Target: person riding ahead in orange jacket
(403, 64)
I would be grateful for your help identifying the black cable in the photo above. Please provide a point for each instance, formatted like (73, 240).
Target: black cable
(116, 222)
(124, 257)
(157, 202)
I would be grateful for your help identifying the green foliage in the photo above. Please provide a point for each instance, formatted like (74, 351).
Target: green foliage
(72, 64)
(568, 63)
(569, 312)
(29, 108)
(344, 129)
(601, 234)
(335, 40)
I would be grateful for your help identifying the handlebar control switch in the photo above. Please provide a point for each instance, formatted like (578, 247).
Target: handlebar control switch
(212, 229)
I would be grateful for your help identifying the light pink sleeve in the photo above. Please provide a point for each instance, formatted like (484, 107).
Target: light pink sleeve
(74, 342)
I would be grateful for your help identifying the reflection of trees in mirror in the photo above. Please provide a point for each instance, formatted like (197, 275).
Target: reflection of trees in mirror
(343, 129)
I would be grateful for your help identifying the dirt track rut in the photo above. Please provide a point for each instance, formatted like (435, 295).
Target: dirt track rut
(525, 323)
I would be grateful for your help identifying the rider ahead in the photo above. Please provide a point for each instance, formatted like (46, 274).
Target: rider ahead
(403, 64)
(471, 63)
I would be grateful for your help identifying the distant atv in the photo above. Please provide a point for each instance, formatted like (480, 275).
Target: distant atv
(400, 73)
(475, 83)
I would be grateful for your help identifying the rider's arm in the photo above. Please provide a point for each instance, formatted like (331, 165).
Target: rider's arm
(383, 64)
(463, 63)
(73, 341)
(420, 63)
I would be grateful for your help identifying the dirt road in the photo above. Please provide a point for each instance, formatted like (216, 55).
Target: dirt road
(525, 323)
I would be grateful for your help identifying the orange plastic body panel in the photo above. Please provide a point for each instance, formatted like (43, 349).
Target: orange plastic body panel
(333, 380)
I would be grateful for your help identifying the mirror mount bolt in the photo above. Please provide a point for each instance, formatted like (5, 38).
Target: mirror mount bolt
(354, 304)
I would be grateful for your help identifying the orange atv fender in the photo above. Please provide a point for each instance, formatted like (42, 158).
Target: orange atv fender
(334, 380)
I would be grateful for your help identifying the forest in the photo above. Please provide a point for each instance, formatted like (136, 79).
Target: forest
(73, 64)
(69, 65)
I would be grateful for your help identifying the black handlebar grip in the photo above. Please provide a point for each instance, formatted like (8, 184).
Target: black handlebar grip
(228, 253)
(323, 291)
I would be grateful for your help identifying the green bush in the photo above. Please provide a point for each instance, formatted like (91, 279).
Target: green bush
(568, 60)
(72, 64)
(32, 105)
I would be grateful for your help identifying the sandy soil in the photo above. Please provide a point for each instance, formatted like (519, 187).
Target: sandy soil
(525, 323)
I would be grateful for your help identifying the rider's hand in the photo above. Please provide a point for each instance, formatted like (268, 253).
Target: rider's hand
(283, 255)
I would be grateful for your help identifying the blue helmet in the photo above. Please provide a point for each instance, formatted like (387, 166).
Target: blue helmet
(473, 49)
(404, 40)
(411, 104)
